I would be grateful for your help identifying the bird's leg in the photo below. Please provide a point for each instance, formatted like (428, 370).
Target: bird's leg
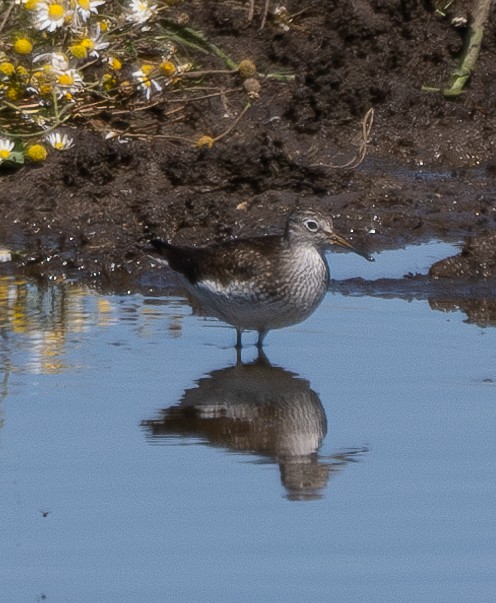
(261, 337)
(239, 360)
(239, 345)
(262, 358)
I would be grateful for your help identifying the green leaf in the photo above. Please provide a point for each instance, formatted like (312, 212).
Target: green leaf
(16, 157)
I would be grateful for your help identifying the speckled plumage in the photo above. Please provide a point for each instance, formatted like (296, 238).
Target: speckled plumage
(260, 283)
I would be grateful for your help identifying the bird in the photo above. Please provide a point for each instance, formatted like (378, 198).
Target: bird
(259, 283)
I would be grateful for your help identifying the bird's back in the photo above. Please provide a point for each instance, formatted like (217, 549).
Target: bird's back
(240, 259)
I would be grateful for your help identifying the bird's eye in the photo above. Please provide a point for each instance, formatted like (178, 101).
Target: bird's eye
(311, 225)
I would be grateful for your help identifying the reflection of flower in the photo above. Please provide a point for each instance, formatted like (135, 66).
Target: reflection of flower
(6, 147)
(47, 348)
(105, 311)
(5, 256)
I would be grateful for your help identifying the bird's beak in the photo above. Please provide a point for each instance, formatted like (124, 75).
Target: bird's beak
(335, 239)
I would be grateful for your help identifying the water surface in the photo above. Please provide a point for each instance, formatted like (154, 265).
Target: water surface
(140, 462)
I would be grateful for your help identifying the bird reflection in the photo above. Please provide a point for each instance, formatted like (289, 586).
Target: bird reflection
(262, 409)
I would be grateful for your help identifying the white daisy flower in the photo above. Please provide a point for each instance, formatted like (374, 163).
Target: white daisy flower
(50, 15)
(141, 11)
(145, 83)
(68, 83)
(6, 147)
(84, 8)
(95, 42)
(57, 60)
(60, 142)
(113, 135)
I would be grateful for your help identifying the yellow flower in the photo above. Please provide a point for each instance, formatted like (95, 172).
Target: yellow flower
(36, 152)
(22, 71)
(108, 81)
(114, 64)
(94, 43)
(7, 68)
(147, 68)
(46, 89)
(145, 82)
(14, 93)
(23, 46)
(205, 141)
(168, 68)
(56, 10)
(126, 88)
(65, 79)
(88, 43)
(31, 4)
(79, 51)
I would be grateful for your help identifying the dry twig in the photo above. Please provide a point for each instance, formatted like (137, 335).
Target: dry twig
(367, 122)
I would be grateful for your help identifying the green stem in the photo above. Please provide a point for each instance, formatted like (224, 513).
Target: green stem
(471, 54)
(40, 132)
(195, 39)
(55, 105)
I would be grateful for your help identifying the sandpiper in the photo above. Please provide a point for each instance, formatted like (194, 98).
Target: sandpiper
(262, 283)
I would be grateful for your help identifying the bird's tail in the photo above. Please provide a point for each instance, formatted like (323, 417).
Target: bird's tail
(160, 246)
(159, 250)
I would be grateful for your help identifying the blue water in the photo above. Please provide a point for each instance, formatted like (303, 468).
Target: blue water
(363, 469)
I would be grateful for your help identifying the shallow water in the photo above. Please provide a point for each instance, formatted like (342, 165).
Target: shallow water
(138, 462)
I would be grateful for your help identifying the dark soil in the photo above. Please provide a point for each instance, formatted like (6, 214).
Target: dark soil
(429, 171)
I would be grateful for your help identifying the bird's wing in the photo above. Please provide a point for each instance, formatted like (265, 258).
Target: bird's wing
(233, 260)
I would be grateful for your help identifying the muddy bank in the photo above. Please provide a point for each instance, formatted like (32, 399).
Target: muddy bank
(429, 169)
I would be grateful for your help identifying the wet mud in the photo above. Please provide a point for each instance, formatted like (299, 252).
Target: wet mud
(429, 170)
